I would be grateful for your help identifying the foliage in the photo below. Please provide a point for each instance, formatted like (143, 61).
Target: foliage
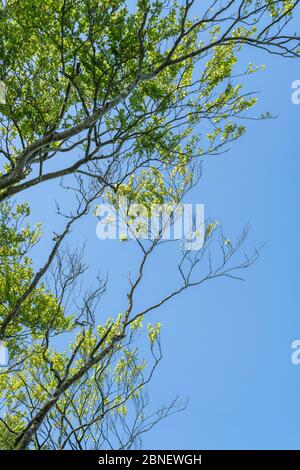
(124, 100)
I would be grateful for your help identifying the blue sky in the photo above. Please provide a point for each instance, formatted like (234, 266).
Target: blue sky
(226, 345)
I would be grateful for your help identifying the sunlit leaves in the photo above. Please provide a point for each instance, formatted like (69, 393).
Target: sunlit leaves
(16, 274)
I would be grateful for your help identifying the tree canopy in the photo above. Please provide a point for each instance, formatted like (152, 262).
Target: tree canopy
(124, 99)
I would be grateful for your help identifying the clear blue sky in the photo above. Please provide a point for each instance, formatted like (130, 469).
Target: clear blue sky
(227, 345)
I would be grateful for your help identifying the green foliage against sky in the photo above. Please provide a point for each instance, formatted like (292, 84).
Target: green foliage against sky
(131, 75)
(17, 273)
(124, 100)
